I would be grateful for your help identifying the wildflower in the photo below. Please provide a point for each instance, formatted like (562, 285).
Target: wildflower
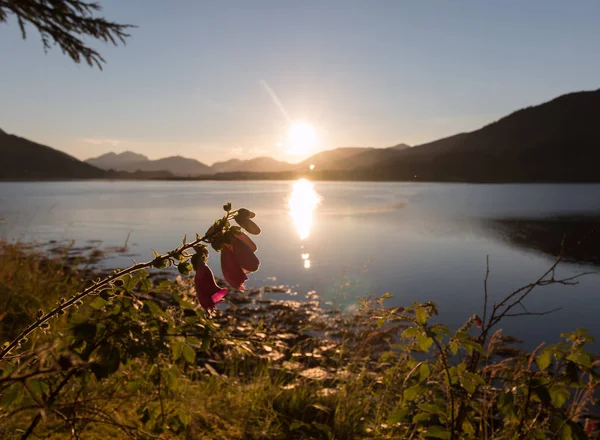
(238, 260)
(231, 268)
(208, 292)
(478, 321)
(244, 248)
(590, 426)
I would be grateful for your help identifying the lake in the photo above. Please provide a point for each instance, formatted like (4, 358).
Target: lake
(343, 240)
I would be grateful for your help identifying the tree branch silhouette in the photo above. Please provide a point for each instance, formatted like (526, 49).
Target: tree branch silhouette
(66, 23)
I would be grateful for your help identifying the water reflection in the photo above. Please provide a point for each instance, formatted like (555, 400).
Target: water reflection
(302, 202)
(306, 259)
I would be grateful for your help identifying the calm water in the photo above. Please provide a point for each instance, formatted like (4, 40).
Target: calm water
(345, 240)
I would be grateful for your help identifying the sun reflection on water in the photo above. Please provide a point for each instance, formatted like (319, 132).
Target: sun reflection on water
(302, 202)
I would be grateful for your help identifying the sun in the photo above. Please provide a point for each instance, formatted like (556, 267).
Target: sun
(301, 138)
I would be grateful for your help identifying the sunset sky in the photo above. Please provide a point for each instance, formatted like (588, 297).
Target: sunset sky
(215, 80)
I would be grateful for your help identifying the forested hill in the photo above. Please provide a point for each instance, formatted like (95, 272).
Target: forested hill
(558, 141)
(22, 159)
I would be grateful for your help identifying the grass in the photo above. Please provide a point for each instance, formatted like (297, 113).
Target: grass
(249, 398)
(146, 362)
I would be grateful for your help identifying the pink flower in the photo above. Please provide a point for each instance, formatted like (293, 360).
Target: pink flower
(244, 248)
(478, 321)
(238, 260)
(590, 426)
(208, 292)
(231, 268)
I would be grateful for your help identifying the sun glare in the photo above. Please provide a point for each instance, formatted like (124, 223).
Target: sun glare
(301, 138)
(302, 202)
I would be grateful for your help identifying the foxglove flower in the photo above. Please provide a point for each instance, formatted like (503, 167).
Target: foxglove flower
(208, 292)
(231, 268)
(238, 260)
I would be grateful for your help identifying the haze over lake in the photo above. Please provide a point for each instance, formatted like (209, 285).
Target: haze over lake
(343, 240)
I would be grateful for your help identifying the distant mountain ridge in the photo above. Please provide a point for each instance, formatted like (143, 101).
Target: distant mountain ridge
(133, 162)
(114, 161)
(556, 141)
(258, 164)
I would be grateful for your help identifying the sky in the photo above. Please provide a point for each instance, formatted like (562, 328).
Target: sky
(216, 80)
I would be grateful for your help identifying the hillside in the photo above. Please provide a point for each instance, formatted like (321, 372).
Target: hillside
(371, 156)
(336, 159)
(23, 159)
(258, 164)
(558, 141)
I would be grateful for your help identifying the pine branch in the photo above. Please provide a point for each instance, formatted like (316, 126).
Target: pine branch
(65, 23)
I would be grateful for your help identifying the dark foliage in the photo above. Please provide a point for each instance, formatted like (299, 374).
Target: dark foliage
(65, 23)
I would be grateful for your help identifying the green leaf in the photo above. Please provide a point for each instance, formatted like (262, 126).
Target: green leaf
(188, 354)
(154, 308)
(438, 432)
(468, 427)
(172, 377)
(11, 395)
(176, 349)
(129, 283)
(424, 372)
(421, 315)
(467, 384)
(581, 358)
(411, 393)
(40, 387)
(471, 345)
(397, 416)
(184, 417)
(506, 405)
(432, 409)
(422, 417)
(424, 342)
(453, 347)
(560, 395)
(146, 284)
(474, 377)
(411, 332)
(544, 360)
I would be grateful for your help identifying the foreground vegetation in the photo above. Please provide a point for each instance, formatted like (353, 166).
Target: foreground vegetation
(143, 360)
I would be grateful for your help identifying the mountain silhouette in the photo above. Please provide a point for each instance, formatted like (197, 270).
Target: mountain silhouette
(133, 162)
(258, 164)
(336, 159)
(557, 141)
(22, 159)
(114, 161)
